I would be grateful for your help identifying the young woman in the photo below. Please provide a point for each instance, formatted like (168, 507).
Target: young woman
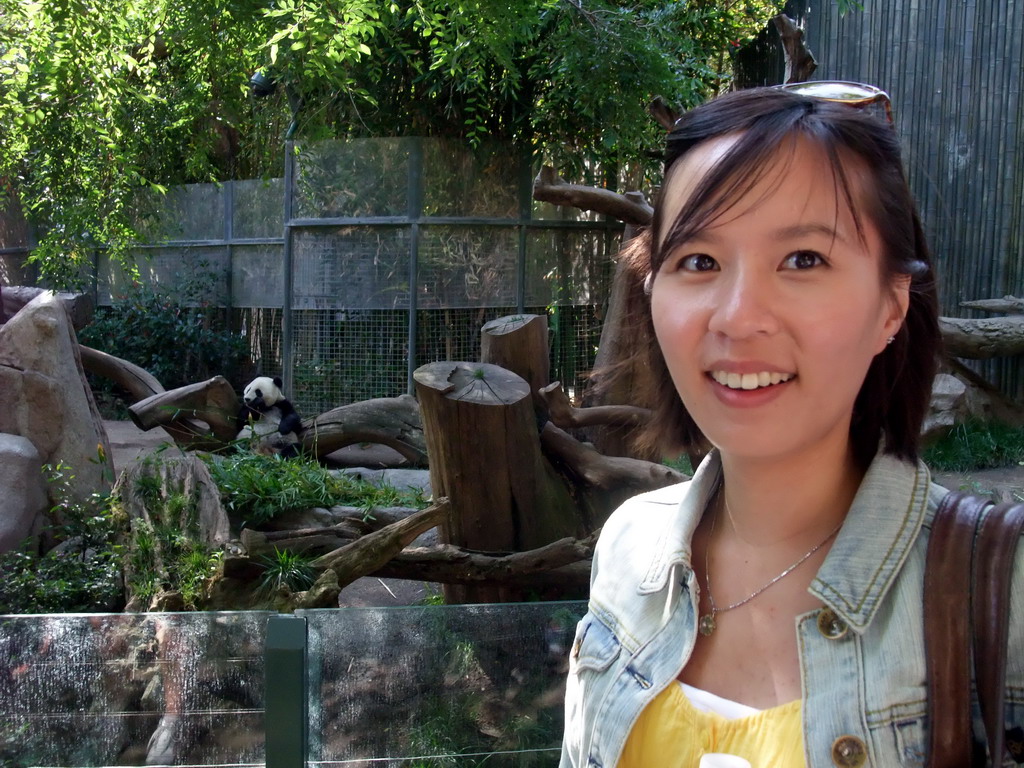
(771, 608)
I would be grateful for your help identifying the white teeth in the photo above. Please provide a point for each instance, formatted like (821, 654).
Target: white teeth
(750, 380)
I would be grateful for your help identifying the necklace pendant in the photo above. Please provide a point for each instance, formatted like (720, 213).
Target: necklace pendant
(706, 625)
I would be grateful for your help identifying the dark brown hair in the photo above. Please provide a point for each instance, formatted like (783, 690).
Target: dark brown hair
(896, 392)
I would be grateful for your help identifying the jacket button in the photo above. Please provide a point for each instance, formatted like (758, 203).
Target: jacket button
(831, 626)
(849, 752)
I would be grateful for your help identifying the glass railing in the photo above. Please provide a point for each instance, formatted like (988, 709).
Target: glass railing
(415, 686)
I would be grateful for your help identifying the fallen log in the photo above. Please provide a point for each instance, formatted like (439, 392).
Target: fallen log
(370, 552)
(213, 401)
(562, 563)
(391, 421)
(983, 338)
(1009, 305)
(141, 384)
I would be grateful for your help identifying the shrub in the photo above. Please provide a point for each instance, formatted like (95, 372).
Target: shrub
(176, 342)
(81, 574)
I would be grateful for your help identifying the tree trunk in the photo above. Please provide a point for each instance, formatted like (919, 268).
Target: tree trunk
(485, 457)
(519, 343)
(800, 63)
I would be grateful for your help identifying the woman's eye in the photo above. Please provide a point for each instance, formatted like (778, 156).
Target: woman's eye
(803, 260)
(698, 262)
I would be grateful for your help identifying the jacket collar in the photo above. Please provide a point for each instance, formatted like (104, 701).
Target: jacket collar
(884, 520)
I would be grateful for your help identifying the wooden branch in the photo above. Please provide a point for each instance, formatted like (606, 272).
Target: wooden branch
(983, 338)
(662, 113)
(391, 421)
(411, 564)
(370, 552)
(213, 401)
(800, 63)
(448, 564)
(1009, 305)
(609, 473)
(564, 415)
(549, 188)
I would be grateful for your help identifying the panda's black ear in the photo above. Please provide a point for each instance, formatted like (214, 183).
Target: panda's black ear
(277, 382)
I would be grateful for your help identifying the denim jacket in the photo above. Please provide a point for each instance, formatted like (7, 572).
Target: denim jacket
(861, 656)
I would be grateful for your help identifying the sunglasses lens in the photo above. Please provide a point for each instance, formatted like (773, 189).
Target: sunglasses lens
(836, 91)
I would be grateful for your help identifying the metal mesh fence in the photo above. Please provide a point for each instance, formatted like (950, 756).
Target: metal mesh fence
(395, 253)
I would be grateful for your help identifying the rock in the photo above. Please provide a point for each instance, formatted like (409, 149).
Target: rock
(949, 405)
(23, 500)
(80, 306)
(47, 399)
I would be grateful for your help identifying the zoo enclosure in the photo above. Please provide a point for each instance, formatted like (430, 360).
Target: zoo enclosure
(372, 257)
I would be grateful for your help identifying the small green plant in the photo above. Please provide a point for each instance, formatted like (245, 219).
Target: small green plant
(285, 568)
(976, 445)
(179, 339)
(680, 463)
(82, 573)
(259, 488)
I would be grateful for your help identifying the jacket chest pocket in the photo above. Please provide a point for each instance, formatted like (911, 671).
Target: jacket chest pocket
(594, 648)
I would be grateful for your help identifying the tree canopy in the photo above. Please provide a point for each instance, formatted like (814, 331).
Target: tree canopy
(101, 101)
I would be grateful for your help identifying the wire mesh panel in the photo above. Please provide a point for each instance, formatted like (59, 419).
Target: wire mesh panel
(185, 212)
(132, 689)
(258, 209)
(359, 177)
(257, 276)
(453, 334)
(464, 182)
(569, 273)
(462, 685)
(190, 274)
(467, 267)
(350, 299)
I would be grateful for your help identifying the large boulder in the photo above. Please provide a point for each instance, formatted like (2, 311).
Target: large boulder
(23, 500)
(47, 399)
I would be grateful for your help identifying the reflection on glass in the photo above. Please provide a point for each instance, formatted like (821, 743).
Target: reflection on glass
(439, 685)
(131, 689)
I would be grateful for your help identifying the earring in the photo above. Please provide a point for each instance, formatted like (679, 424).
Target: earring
(649, 283)
(890, 340)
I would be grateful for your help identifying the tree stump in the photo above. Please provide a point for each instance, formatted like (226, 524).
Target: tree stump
(485, 456)
(519, 343)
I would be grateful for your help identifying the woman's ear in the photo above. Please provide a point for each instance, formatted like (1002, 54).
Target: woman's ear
(899, 303)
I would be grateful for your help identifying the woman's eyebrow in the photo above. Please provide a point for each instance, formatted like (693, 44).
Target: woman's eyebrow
(808, 228)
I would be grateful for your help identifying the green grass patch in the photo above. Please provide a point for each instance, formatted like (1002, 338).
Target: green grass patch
(976, 445)
(259, 488)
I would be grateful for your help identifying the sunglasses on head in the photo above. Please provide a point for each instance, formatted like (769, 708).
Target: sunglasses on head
(857, 95)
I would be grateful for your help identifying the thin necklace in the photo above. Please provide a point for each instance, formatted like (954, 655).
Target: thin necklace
(707, 625)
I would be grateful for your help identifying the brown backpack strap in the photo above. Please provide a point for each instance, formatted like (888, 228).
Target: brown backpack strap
(947, 631)
(995, 552)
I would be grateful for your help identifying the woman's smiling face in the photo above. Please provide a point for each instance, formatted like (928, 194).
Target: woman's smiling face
(769, 318)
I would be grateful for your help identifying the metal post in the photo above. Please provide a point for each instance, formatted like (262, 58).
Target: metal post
(415, 208)
(286, 701)
(229, 235)
(525, 214)
(287, 361)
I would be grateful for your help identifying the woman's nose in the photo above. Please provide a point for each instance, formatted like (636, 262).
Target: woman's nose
(745, 307)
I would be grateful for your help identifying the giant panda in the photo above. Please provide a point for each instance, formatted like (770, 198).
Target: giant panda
(267, 418)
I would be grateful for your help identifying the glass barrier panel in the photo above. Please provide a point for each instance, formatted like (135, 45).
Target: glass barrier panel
(461, 685)
(132, 689)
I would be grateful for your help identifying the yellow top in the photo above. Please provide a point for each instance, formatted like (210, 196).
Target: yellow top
(672, 733)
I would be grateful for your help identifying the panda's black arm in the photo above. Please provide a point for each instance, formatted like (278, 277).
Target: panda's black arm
(290, 421)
